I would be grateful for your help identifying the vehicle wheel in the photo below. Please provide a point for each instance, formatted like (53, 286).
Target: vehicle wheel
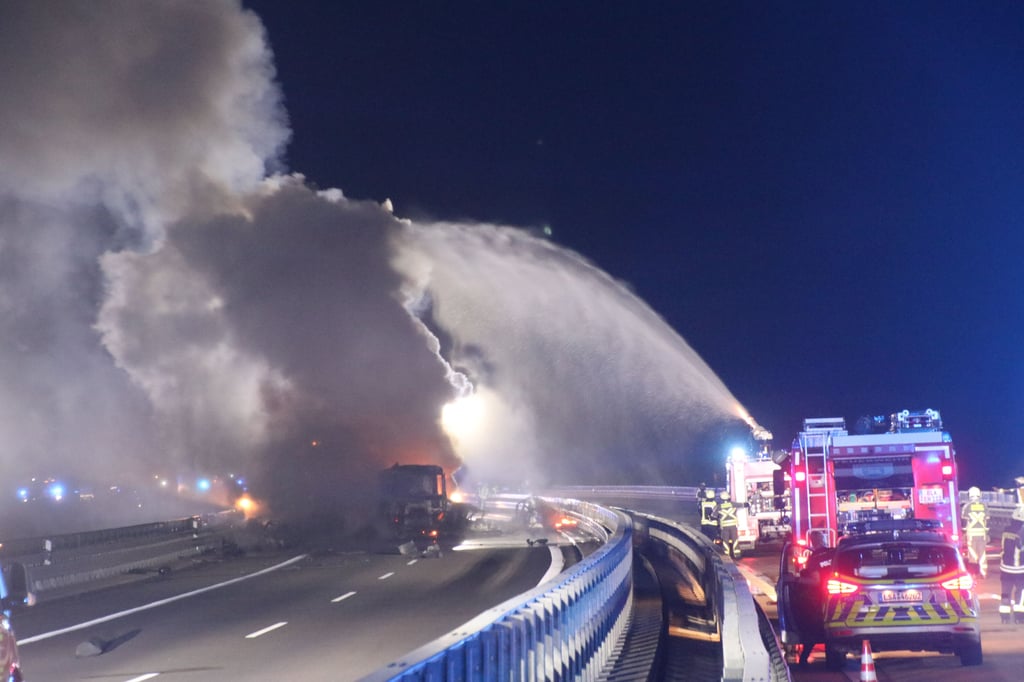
(971, 654)
(835, 659)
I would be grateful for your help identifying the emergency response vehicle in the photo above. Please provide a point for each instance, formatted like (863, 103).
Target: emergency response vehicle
(762, 513)
(906, 471)
(899, 584)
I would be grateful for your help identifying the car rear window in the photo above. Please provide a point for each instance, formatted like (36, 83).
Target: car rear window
(897, 560)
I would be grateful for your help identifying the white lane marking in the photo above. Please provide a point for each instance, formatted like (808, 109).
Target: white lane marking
(161, 602)
(342, 597)
(557, 564)
(412, 562)
(269, 628)
(386, 576)
(143, 678)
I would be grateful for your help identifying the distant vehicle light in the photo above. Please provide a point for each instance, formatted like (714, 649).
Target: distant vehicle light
(57, 491)
(203, 484)
(23, 494)
(457, 497)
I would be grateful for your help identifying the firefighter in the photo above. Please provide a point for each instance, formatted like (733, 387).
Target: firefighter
(701, 494)
(974, 516)
(708, 521)
(1011, 569)
(728, 524)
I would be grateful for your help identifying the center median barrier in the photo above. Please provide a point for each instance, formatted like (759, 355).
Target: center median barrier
(62, 561)
(45, 579)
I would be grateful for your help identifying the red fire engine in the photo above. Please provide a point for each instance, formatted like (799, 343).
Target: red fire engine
(838, 478)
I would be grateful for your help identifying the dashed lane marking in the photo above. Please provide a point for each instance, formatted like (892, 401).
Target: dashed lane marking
(269, 628)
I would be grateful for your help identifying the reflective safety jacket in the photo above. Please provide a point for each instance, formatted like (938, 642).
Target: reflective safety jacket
(727, 514)
(1011, 560)
(975, 518)
(707, 513)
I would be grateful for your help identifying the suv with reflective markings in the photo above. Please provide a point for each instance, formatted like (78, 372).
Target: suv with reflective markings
(899, 589)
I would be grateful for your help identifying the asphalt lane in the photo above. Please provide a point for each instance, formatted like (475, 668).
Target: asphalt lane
(334, 617)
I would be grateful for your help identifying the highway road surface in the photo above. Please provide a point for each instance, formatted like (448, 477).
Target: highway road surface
(330, 617)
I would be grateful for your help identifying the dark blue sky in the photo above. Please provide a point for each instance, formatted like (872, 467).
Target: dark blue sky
(824, 199)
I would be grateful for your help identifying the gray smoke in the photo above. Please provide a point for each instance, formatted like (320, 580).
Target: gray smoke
(169, 303)
(117, 117)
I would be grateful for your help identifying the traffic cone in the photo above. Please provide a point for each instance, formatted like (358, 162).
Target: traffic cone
(867, 664)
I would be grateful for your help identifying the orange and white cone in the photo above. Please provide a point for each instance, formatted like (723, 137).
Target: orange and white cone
(867, 664)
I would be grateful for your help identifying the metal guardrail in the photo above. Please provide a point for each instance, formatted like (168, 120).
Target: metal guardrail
(77, 558)
(564, 629)
(743, 629)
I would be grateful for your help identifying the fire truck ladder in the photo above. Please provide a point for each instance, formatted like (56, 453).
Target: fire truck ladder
(816, 438)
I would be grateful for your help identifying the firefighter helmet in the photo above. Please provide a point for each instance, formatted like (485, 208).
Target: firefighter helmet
(973, 493)
(710, 494)
(725, 495)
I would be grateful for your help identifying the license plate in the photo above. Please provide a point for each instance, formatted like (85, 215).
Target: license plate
(901, 596)
(929, 495)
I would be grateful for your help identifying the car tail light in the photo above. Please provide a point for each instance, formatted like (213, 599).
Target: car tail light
(837, 586)
(961, 582)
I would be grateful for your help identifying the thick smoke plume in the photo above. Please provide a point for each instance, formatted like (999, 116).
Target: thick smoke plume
(171, 303)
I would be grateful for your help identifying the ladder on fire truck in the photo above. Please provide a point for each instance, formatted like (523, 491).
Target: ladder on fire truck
(820, 496)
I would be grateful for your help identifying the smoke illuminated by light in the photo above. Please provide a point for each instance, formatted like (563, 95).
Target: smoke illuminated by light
(462, 418)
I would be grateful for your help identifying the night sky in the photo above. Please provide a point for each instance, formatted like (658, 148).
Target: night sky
(823, 199)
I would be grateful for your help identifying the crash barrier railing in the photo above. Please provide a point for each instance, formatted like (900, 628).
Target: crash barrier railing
(58, 561)
(564, 629)
(749, 648)
(997, 502)
(23, 549)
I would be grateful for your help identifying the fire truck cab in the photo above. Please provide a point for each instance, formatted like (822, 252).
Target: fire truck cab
(838, 478)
